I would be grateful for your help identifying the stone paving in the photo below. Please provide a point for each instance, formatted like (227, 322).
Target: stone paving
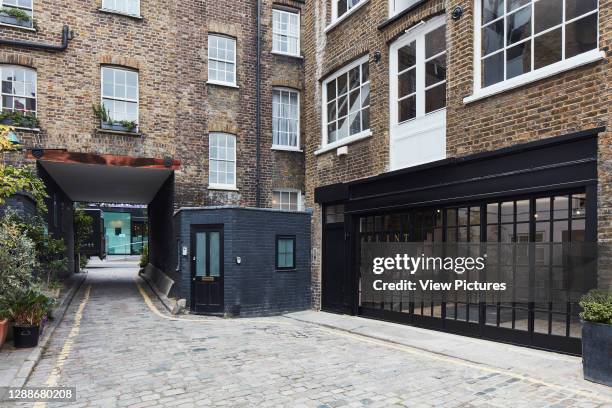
(125, 355)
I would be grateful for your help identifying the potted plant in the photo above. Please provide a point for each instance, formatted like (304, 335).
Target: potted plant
(106, 122)
(15, 16)
(19, 119)
(597, 336)
(27, 308)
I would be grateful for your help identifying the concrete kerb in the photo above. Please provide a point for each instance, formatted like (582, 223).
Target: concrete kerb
(35, 355)
(170, 304)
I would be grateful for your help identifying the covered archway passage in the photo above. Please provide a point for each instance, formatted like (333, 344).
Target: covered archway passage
(87, 177)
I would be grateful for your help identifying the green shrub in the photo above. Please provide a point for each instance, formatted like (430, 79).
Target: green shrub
(144, 256)
(17, 258)
(597, 307)
(27, 307)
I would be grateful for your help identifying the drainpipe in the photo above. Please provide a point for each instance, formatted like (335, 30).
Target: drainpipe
(258, 110)
(67, 35)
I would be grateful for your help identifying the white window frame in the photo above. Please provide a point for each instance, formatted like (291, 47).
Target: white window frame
(126, 99)
(393, 10)
(287, 147)
(118, 10)
(6, 66)
(223, 186)
(325, 146)
(299, 199)
(336, 19)
(31, 10)
(425, 134)
(226, 61)
(287, 34)
(480, 92)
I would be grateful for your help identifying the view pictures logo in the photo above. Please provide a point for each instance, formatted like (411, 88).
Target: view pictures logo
(410, 264)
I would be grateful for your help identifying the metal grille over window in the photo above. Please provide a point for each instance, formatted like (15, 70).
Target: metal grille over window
(520, 36)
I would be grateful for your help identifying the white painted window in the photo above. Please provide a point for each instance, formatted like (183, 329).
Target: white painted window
(418, 95)
(18, 89)
(287, 200)
(341, 7)
(131, 7)
(120, 94)
(285, 118)
(397, 6)
(221, 60)
(285, 32)
(17, 12)
(346, 103)
(517, 38)
(222, 155)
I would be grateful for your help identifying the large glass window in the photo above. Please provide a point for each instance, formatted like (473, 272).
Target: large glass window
(347, 102)
(285, 32)
(221, 60)
(120, 94)
(397, 6)
(18, 89)
(287, 200)
(17, 12)
(521, 36)
(285, 118)
(420, 75)
(222, 154)
(131, 7)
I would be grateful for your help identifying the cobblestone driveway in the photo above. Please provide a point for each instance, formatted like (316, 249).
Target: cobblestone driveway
(125, 355)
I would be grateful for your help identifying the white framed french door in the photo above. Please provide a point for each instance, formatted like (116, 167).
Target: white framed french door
(417, 69)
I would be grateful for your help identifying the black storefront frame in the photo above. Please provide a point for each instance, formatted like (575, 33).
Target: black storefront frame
(568, 163)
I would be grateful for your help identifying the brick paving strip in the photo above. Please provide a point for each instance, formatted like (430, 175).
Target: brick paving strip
(16, 365)
(127, 352)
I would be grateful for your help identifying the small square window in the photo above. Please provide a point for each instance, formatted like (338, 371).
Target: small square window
(285, 252)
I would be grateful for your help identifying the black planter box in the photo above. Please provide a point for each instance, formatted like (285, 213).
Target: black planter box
(597, 352)
(25, 336)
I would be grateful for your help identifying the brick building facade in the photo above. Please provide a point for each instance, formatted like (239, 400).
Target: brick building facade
(482, 122)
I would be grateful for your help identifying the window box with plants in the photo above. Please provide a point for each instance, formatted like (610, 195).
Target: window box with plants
(19, 119)
(597, 336)
(107, 123)
(16, 16)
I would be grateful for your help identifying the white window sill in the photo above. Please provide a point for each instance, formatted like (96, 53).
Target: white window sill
(24, 129)
(222, 187)
(561, 66)
(226, 84)
(287, 148)
(121, 13)
(286, 54)
(343, 142)
(18, 27)
(346, 15)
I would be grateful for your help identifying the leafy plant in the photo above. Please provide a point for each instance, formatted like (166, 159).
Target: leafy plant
(17, 258)
(129, 125)
(597, 307)
(101, 112)
(18, 14)
(83, 229)
(27, 307)
(20, 119)
(144, 256)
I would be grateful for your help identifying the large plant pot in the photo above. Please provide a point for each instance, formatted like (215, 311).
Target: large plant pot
(596, 351)
(4, 328)
(25, 336)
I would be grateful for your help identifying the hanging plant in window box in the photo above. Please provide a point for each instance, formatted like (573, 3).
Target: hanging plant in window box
(15, 16)
(19, 119)
(107, 123)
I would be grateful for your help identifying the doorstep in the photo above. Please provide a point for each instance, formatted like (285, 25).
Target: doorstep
(545, 366)
(17, 364)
